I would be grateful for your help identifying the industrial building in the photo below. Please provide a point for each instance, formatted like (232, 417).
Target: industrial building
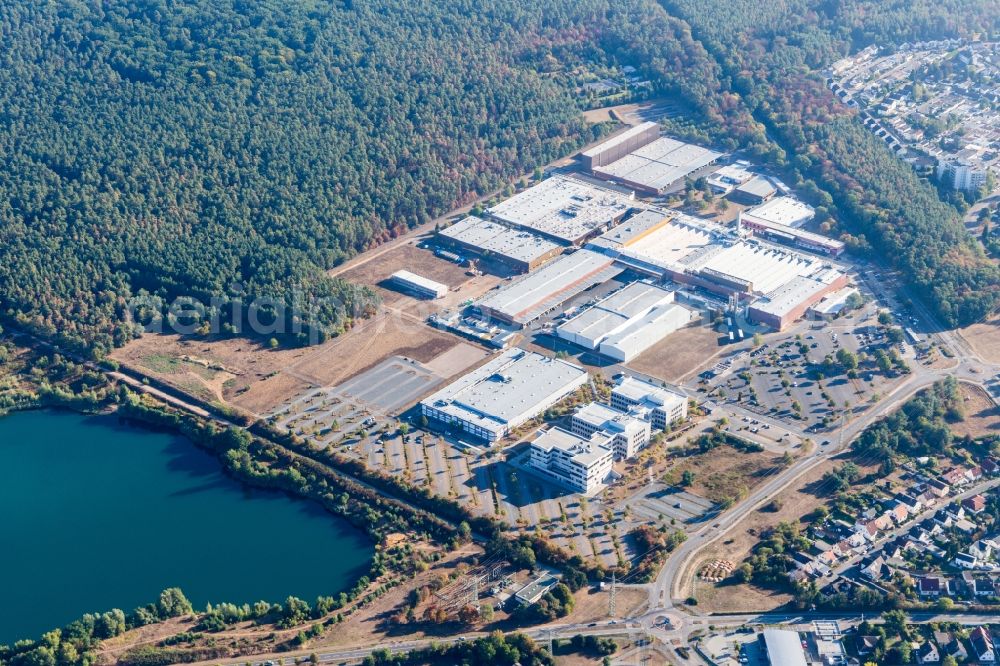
(620, 145)
(657, 166)
(833, 305)
(783, 647)
(578, 463)
(662, 405)
(754, 192)
(627, 322)
(512, 388)
(727, 178)
(630, 433)
(783, 211)
(671, 245)
(789, 302)
(418, 285)
(564, 209)
(785, 235)
(521, 250)
(527, 298)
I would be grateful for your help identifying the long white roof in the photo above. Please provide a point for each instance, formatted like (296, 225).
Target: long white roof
(563, 207)
(529, 296)
(507, 387)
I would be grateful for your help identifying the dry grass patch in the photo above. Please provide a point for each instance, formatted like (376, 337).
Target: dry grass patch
(982, 416)
(679, 354)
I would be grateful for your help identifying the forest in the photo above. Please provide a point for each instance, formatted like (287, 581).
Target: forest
(157, 150)
(214, 155)
(771, 56)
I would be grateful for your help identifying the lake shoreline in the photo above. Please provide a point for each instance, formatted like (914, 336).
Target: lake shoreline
(131, 422)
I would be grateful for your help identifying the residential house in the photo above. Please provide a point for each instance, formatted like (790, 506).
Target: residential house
(875, 569)
(984, 587)
(982, 644)
(974, 474)
(975, 504)
(966, 561)
(929, 586)
(963, 525)
(866, 645)
(982, 549)
(912, 504)
(956, 476)
(928, 653)
(938, 487)
(900, 513)
(949, 646)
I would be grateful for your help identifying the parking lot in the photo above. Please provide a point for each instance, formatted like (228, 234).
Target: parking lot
(668, 503)
(796, 377)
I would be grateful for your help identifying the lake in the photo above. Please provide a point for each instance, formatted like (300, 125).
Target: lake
(96, 515)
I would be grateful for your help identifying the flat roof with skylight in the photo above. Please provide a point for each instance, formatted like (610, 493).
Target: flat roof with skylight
(563, 208)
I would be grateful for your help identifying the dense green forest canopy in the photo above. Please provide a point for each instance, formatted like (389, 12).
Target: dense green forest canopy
(239, 148)
(771, 55)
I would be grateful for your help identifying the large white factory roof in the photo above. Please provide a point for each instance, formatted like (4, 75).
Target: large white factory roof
(613, 313)
(508, 389)
(643, 332)
(763, 267)
(499, 239)
(786, 211)
(564, 208)
(659, 164)
(677, 243)
(527, 298)
(791, 294)
(619, 139)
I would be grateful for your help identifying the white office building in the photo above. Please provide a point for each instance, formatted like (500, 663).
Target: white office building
(578, 463)
(630, 433)
(665, 406)
(497, 397)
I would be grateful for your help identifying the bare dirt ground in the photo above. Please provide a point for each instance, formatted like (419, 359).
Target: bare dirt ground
(985, 338)
(728, 596)
(982, 417)
(376, 270)
(679, 354)
(592, 605)
(258, 379)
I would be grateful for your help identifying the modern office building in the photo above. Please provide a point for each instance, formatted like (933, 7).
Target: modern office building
(664, 406)
(578, 463)
(502, 394)
(418, 285)
(630, 433)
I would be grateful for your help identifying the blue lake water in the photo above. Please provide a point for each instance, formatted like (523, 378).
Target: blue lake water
(95, 515)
